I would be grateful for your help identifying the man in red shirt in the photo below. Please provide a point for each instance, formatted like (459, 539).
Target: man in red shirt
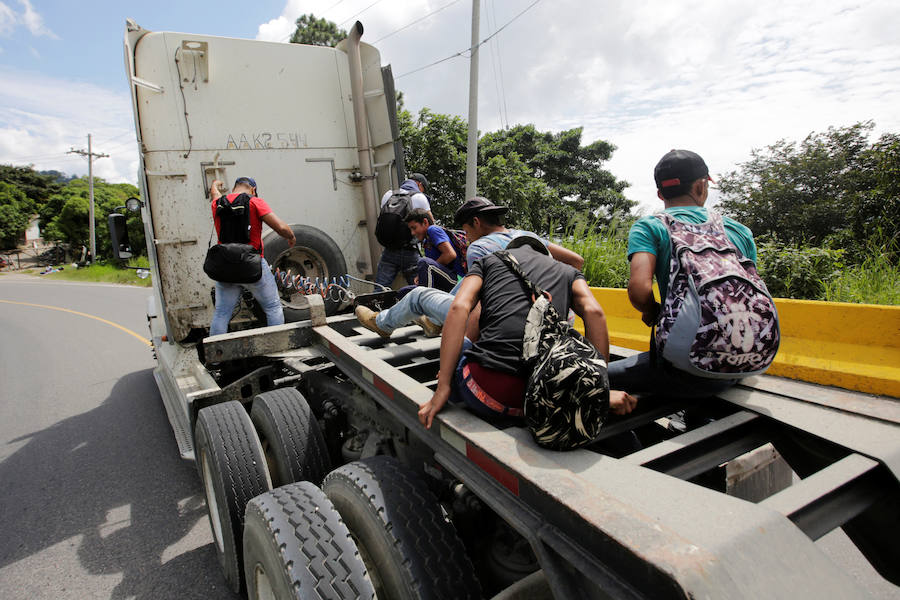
(265, 291)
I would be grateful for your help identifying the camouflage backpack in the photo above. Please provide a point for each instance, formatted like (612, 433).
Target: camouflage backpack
(717, 320)
(567, 392)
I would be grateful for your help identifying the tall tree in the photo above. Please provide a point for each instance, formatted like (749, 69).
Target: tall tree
(831, 184)
(317, 32)
(559, 160)
(70, 224)
(15, 213)
(37, 186)
(545, 178)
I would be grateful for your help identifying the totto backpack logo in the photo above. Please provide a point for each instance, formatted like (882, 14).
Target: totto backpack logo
(718, 319)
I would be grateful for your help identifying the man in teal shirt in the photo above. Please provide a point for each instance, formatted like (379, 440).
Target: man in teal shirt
(682, 182)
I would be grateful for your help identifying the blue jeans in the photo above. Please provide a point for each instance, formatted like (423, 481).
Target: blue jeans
(640, 374)
(433, 274)
(430, 302)
(396, 261)
(229, 294)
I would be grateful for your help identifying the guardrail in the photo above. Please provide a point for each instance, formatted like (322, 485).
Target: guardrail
(852, 346)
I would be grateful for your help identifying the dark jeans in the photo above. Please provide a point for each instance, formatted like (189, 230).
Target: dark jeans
(435, 275)
(641, 374)
(397, 261)
(460, 394)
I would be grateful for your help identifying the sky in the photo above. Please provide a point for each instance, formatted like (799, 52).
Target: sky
(721, 78)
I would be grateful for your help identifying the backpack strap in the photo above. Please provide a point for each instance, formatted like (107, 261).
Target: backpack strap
(533, 291)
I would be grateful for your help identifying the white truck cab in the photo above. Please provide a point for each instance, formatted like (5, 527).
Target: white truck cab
(210, 108)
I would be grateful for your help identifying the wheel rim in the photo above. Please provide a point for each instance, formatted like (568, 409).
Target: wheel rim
(303, 261)
(211, 503)
(261, 584)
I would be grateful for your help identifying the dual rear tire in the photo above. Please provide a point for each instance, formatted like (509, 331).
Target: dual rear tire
(374, 528)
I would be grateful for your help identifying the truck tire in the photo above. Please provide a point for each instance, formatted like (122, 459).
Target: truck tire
(314, 255)
(291, 438)
(233, 470)
(410, 550)
(296, 546)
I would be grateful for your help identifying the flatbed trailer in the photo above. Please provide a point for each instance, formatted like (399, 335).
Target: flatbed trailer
(636, 526)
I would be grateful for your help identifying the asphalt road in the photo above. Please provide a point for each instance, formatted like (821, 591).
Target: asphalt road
(94, 500)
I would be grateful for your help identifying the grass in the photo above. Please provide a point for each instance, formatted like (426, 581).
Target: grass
(605, 253)
(874, 281)
(105, 272)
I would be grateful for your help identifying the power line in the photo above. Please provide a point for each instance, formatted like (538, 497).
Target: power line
(434, 12)
(330, 7)
(359, 13)
(462, 52)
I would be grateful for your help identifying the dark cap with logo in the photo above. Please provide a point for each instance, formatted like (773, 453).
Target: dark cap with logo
(420, 178)
(474, 206)
(677, 170)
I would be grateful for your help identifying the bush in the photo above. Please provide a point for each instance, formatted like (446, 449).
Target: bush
(875, 280)
(796, 271)
(605, 252)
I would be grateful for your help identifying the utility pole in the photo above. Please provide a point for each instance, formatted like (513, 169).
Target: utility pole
(472, 145)
(90, 156)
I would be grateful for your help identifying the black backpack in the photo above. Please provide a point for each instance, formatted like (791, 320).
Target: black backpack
(233, 259)
(234, 219)
(391, 230)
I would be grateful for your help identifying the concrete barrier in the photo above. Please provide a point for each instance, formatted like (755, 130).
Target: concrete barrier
(852, 346)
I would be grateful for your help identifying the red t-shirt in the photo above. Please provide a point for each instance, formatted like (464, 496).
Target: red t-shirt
(258, 209)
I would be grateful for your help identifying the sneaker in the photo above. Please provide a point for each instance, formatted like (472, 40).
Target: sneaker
(430, 329)
(366, 317)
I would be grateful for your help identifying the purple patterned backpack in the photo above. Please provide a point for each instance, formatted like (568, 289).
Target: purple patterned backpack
(718, 319)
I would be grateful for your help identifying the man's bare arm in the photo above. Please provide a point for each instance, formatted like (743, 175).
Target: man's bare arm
(280, 227)
(586, 306)
(565, 255)
(640, 286)
(448, 254)
(451, 344)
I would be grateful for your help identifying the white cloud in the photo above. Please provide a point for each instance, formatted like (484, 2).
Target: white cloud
(41, 118)
(642, 75)
(34, 21)
(7, 19)
(646, 75)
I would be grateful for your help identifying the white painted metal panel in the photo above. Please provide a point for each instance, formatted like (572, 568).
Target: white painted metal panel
(266, 110)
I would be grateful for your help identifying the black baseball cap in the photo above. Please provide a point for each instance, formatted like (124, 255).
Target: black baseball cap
(528, 239)
(420, 178)
(677, 170)
(474, 206)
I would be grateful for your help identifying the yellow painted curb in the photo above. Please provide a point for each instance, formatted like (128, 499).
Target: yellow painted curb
(852, 346)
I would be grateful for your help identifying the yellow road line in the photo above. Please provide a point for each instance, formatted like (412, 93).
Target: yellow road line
(75, 312)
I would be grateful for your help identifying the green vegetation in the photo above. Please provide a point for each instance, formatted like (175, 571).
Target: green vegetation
(106, 272)
(605, 252)
(875, 280)
(317, 32)
(543, 177)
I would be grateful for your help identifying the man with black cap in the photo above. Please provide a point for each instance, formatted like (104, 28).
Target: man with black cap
(682, 182)
(481, 220)
(400, 254)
